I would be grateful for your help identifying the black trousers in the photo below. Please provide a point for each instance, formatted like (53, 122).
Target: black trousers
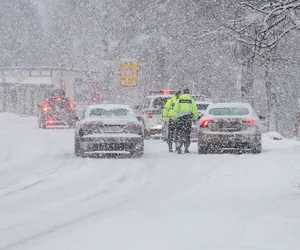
(183, 131)
(171, 133)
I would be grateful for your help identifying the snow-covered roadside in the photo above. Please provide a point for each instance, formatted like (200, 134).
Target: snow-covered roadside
(52, 200)
(273, 140)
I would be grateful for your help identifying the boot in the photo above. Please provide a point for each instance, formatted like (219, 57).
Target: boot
(186, 151)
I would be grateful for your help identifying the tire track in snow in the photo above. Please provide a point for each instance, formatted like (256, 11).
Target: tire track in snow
(22, 188)
(105, 210)
(126, 203)
(153, 178)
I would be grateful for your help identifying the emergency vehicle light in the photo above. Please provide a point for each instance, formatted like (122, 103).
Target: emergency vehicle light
(163, 92)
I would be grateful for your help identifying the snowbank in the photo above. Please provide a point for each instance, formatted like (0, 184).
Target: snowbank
(273, 140)
(274, 135)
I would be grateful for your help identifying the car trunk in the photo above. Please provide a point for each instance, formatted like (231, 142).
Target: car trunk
(228, 125)
(112, 128)
(157, 115)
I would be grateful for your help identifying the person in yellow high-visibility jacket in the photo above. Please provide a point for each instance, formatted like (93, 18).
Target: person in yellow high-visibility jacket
(185, 110)
(170, 120)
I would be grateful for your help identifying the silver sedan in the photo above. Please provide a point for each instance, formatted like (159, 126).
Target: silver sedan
(229, 126)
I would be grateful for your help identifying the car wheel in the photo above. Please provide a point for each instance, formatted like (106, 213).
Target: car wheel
(138, 150)
(41, 124)
(202, 149)
(147, 134)
(256, 148)
(77, 149)
(164, 135)
(72, 122)
(72, 125)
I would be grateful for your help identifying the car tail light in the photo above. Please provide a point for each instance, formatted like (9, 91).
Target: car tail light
(50, 122)
(205, 123)
(71, 105)
(46, 106)
(150, 113)
(251, 122)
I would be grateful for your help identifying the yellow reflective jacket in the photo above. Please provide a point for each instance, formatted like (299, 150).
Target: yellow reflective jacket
(168, 112)
(185, 105)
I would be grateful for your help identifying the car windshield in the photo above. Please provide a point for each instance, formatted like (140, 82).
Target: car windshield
(160, 102)
(229, 111)
(110, 112)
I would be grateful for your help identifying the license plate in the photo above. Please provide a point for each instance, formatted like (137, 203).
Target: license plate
(229, 125)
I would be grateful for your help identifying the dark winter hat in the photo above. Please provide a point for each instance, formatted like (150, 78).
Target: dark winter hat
(178, 92)
(186, 91)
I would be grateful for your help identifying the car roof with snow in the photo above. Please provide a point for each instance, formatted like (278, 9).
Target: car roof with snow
(230, 105)
(109, 106)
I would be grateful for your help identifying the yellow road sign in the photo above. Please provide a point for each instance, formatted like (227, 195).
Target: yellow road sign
(129, 73)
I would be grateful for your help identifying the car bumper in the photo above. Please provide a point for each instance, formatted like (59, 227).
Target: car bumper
(155, 129)
(111, 144)
(244, 140)
(51, 121)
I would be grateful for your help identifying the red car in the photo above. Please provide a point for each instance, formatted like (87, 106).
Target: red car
(57, 112)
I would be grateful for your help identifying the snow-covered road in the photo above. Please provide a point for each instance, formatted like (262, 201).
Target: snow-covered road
(51, 200)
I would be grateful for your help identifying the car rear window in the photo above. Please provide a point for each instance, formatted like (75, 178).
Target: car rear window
(109, 112)
(229, 111)
(202, 106)
(160, 102)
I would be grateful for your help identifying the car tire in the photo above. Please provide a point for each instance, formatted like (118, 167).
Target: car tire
(139, 151)
(256, 148)
(41, 124)
(79, 152)
(72, 125)
(202, 149)
(147, 135)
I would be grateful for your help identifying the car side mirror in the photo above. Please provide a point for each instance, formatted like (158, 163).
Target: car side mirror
(262, 118)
